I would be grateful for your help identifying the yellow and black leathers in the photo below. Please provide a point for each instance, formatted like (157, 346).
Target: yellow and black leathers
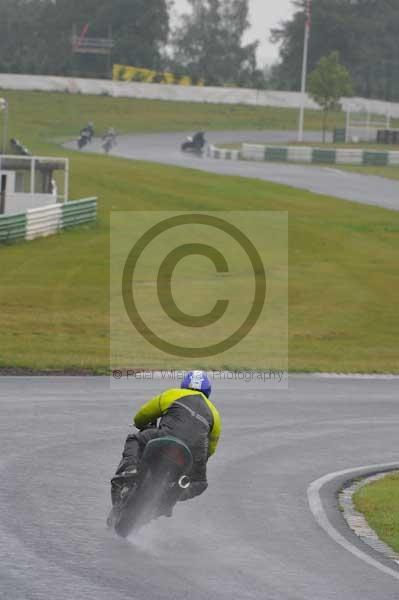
(187, 414)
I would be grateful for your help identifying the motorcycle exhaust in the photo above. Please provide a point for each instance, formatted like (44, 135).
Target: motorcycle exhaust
(184, 482)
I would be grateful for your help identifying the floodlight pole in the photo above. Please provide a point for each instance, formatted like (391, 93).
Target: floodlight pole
(304, 69)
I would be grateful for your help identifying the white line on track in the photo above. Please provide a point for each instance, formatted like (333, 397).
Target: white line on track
(316, 506)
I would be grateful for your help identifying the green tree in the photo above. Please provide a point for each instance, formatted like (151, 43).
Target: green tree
(363, 31)
(328, 83)
(36, 34)
(208, 42)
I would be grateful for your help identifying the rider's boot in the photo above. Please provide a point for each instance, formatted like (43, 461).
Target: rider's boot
(121, 484)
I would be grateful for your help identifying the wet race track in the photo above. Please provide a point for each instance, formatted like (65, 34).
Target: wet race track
(165, 148)
(250, 536)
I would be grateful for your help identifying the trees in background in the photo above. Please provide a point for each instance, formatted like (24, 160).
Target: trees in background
(363, 31)
(328, 83)
(208, 43)
(35, 35)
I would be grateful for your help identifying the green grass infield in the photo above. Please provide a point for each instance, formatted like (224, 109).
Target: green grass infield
(379, 502)
(54, 292)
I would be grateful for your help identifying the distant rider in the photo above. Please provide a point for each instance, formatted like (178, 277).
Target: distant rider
(199, 140)
(109, 139)
(87, 132)
(186, 414)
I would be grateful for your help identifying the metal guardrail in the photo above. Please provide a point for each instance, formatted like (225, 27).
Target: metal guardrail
(79, 212)
(43, 221)
(211, 95)
(310, 155)
(47, 220)
(12, 228)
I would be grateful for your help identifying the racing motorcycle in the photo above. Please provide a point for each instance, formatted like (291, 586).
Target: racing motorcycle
(162, 478)
(108, 142)
(83, 139)
(194, 144)
(86, 135)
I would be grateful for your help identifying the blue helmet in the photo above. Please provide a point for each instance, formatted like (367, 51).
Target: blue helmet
(197, 380)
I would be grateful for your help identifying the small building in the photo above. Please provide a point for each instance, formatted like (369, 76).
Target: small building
(28, 182)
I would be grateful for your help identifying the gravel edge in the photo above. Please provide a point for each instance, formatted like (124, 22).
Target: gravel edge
(356, 520)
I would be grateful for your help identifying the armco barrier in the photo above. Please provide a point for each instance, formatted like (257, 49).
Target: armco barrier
(180, 93)
(393, 159)
(43, 221)
(297, 154)
(223, 153)
(12, 228)
(276, 154)
(347, 156)
(376, 158)
(47, 220)
(324, 156)
(303, 154)
(79, 212)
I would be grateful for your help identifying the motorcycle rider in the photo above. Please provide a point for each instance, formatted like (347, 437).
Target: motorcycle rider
(185, 413)
(109, 139)
(199, 140)
(87, 132)
(195, 143)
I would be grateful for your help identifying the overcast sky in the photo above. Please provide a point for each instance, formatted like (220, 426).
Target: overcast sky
(265, 14)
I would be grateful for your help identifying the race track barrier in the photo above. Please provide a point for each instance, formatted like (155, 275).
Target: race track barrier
(183, 93)
(43, 221)
(223, 153)
(303, 154)
(46, 220)
(78, 212)
(12, 228)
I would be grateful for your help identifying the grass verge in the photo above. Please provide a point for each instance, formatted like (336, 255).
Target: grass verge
(387, 172)
(54, 292)
(37, 117)
(379, 502)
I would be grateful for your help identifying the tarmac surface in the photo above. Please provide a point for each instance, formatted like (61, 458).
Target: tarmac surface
(164, 148)
(251, 535)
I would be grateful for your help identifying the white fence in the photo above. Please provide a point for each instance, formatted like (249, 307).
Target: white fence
(43, 221)
(303, 154)
(180, 93)
(47, 220)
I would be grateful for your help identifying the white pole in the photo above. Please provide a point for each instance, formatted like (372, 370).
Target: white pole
(304, 70)
(5, 138)
(66, 181)
(368, 122)
(32, 179)
(4, 108)
(348, 120)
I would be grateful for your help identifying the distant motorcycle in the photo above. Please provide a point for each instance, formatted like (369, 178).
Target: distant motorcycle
(162, 478)
(194, 144)
(86, 135)
(109, 140)
(83, 139)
